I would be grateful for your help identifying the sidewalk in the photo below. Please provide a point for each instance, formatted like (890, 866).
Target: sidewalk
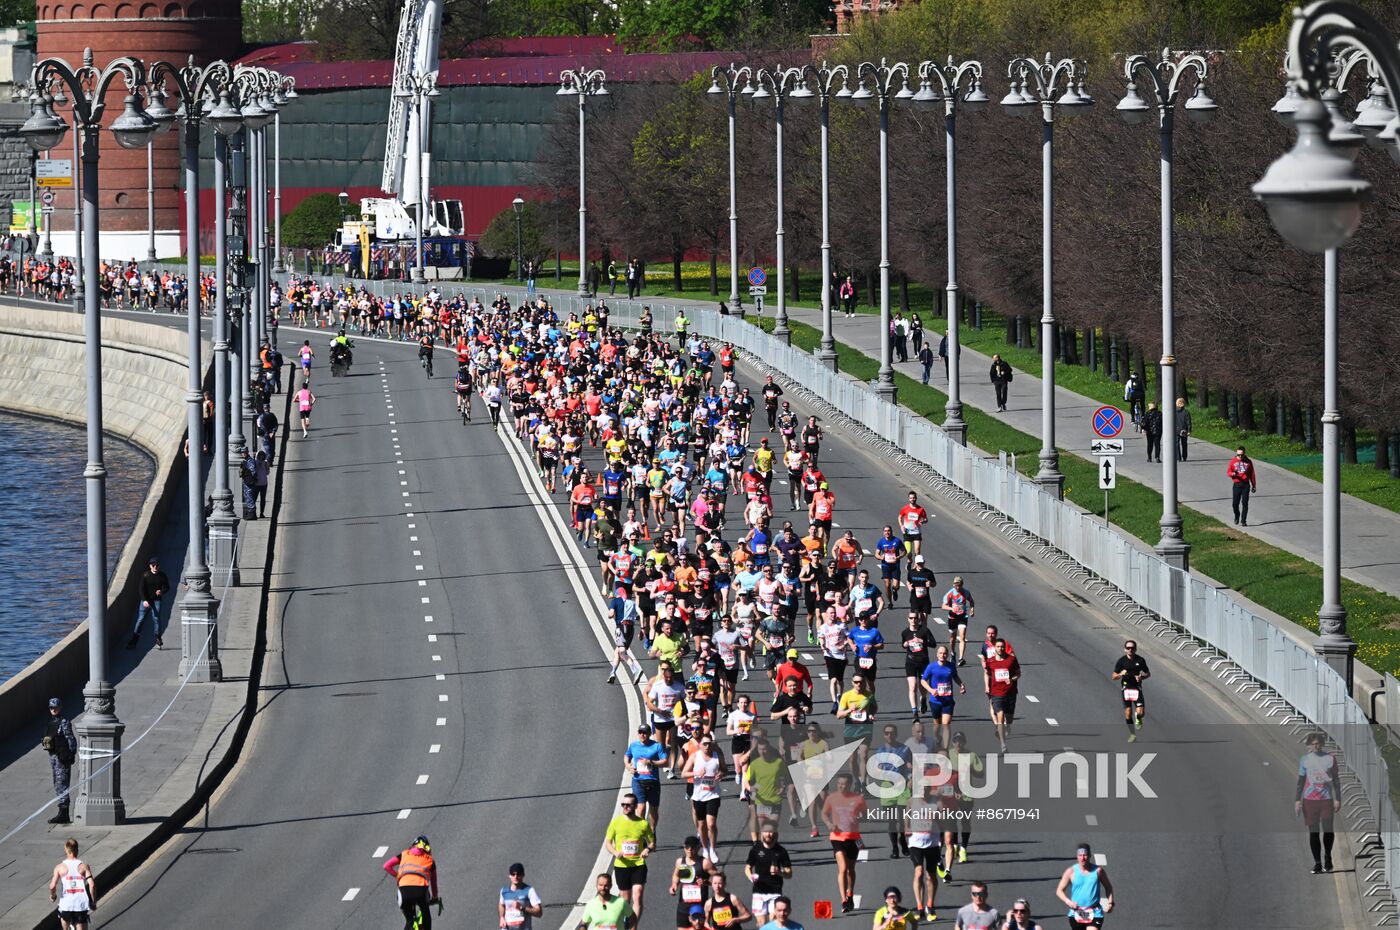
(166, 770)
(1286, 511)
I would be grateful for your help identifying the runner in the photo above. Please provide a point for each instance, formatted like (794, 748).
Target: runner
(305, 401)
(921, 582)
(706, 767)
(690, 883)
(912, 518)
(765, 784)
(1130, 671)
(1085, 890)
(630, 840)
(644, 759)
(960, 607)
(937, 681)
(723, 909)
(1318, 799)
(72, 887)
(889, 551)
(607, 911)
(519, 904)
(841, 812)
(767, 866)
(918, 645)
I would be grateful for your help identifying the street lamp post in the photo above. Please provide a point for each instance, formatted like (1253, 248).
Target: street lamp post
(1163, 80)
(583, 83)
(778, 84)
(199, 609)
(877, 85)
(1051, 86)
(99, 763)
(824, 79)
(731, 90)
(1314, 196)
(519, 204)
(950, 79)
(421, 88)
(243, 314)
(286, 92)
(150, 203)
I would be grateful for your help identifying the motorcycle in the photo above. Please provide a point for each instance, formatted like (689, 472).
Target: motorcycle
(341, 358)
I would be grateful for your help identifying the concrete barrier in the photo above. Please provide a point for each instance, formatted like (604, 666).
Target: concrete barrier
(144, 383)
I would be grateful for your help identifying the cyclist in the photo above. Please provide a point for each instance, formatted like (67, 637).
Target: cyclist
(1134, 393)
(1130, 671)
(464, 393)
(519, 904)
(961, 608)
(416, 874)
(425, 353)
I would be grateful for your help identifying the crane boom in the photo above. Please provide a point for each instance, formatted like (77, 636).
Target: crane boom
(415, 52)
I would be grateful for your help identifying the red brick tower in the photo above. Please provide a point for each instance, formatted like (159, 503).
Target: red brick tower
(171, 30)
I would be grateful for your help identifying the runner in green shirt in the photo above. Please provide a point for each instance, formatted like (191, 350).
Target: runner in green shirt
(629, 841)
(607, 911)
(766, 779)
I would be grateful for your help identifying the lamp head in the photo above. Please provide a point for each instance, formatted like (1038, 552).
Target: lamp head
(1072, 102)
(1313, 193)
(1017, 102)
(1378, 114)
(715, 90)
(1342, 133)
(519, 205)
(43, 130)
(904, 95)
(927, 98)
(976, 99)
(862, 97)
(802, 93)
(1132, 109)
(344, 200)
(133, 129)
(158, 111)
(1200, 106)
(1284, 108)
(225, 118)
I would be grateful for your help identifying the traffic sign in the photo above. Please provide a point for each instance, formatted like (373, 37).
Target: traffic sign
(1108, 473)
(53, 172)
(758, 291)
(1107, 422)
(1106, 446)
(47, 197)
(758, 277)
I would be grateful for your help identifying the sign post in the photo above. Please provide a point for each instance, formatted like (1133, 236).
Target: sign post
(1108, 480)
(53, 172)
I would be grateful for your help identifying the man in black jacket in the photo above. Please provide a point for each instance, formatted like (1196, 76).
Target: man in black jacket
(150, 589)
(1152, 426)
(1001, 379)
(62, 746)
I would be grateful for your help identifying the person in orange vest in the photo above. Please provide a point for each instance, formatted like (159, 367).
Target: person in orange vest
(416, 875)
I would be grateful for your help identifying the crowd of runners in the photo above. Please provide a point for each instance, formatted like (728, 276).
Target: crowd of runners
(721, 560)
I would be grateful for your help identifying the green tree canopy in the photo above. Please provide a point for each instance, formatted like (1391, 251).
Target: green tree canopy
(313, 223)
(536, 233)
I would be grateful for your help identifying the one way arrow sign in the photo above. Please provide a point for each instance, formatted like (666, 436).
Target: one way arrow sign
(1108, 473)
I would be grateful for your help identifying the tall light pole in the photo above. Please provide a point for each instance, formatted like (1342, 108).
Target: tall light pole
(150, 202)
(776, 85)
(824, 79)
(1162, 80)
(421, 88)
(519, 204)
(1314, 196)
(950, 80)
(199, 609)
(731, 89)
(583, 83)
(1051, 86)
(877, 85)
(248, 85)
(286, 92)
(99, 762)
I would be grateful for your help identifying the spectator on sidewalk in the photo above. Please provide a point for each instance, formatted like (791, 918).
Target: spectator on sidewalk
(260, 477)
(248, 472)
(848, 296)
(1241, 472)
(916, 333)
(150, 589)
(926, 360)
(62, 746)
(899, 330)
(1152, 427)
(267, 431)
(612, 278)
(1183, 428)
(72, 888)
(943, 354)
(1001, 379)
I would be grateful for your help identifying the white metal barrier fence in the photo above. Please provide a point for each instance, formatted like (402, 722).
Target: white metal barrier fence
(1212, 615)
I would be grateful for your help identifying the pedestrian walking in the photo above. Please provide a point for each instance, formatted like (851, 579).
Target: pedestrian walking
(1183, 428)
(612, 278)
(1318, 799)
(150, 589)
(248, 472)
(260, 474)
(1243, 483)
(899, 329)
(943, 354)
(278, 360)
(72, 888)
(1152, 428)
(1001, 379)
(206, 422)
(268, 425)
(926, 360)
(916, 333)
(848, 296)
(62, 746)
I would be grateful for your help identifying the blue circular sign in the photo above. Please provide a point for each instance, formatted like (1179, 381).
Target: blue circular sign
(757, 277)
(1108, 422)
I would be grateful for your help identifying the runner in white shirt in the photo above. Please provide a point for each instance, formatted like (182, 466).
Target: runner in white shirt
(835, 646)
(727, 642)
(71, 885)
(661, 696)
(706, 766)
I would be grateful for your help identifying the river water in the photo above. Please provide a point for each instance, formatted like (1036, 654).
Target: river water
(43, 571)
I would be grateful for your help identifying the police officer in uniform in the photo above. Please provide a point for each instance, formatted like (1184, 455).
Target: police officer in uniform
(62, 746)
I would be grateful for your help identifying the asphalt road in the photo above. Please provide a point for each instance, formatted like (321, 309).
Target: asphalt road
(346, 731)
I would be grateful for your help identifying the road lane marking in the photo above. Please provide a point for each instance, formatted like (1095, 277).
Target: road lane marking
(428, 618)
(413, 539)
(350, 895)
(437, 658)
(1052, 721)
(435, 747)
(404, 814)
(422, 779)
(442, 699)
(1091, 820)
(863, 855)
(412, 526)
(440, 677)
(1033, 699)
(426, 601)
(417, 568)
(379, 852)
(421, 582)
(432, 637)
(403, 484)
(1100, 859)
(404, 493)
(442, 721)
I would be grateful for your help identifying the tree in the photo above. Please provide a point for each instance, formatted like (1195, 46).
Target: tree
(313, 222)
(536, 233)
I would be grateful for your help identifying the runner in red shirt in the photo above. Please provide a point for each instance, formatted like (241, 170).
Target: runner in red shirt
(582, 500)
(912, 518)
(792, 668)
(1000, 674)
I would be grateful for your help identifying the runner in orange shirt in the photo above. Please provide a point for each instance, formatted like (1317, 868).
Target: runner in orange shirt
(841, 813)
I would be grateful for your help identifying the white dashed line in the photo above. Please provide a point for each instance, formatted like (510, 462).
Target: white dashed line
(1052, 721)
(863, 855)
(417, 551)
(414, 539)
(404, 814)
(350, 895)
(432, 637)
(402, 472)
(440, 677)
(855, 899)
(422, 780)
(428, 618)
(434, 748)
(393, 431)
(417, 568)
(1033, 699)
(403, 484)
(442, 721)
(404, 493)
(1100, 859)
(442, 699)
(825, 676)
(413, 526)
(380, 852)
(808, 657)
(1091, 820)
(437, 658)
(421, 582)
(426, 601)
(835, 524)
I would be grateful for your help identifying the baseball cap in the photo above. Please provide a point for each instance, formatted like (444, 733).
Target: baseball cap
(918, 560)
(697, 911)
(516, 869)
(153, 561)
(55, 703)
(643, 728)
(792, 653)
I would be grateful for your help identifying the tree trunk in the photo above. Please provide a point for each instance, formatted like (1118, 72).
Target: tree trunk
(677, 256)
(1091, 349)
(977, 316)
(1110, 362)
(796, 275)
(1382, 450)
(1349, 442)
(1072, 336)
(1309, 433)
(1023, 334)
(714, 271)
(1140, 366)
(1270, 424)
(1395, 455)
(904, 293)
(1295, 422)
(1222, 404)
(1013, 330)
(1202, 393)
(872, 287)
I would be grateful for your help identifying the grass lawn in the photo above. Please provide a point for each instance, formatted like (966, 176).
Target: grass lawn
(1282, 582)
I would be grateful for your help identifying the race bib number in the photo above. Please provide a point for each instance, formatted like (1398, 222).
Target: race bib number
(514, 916)
(920, 591)
(864, 605)
(860, 716)
(943, 689)
(745, 726)
(891, 556)
(866, 662)
(690, 894)
(631, 847)
(642, 767)
(916, 645)
(722, 915)
(1131, 694)
(1002, 674)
